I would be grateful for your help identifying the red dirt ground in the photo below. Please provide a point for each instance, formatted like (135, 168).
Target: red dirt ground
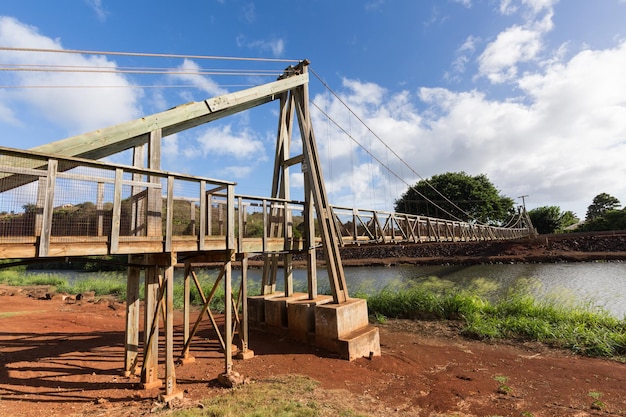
(60, 359)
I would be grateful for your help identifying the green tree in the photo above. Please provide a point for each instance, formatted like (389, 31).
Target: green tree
(601, 203)
(610, 220)
(472, 197)
(550, 219)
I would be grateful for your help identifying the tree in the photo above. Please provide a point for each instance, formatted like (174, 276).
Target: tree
(473, 199)
(600, 204)
(610, 220)
(550, 219)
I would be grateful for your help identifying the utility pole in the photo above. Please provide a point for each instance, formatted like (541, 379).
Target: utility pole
(523, 197)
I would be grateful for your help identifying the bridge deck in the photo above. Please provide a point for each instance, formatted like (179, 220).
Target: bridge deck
(58, 207)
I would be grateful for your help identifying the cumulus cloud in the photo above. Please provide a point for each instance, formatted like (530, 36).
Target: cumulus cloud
(63, 107)
(517, 44)
(275, 46)
(188, 72)
(222, 141)
(562, 141)
(500, 58)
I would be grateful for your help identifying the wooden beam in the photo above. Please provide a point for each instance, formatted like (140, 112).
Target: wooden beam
(111, 140)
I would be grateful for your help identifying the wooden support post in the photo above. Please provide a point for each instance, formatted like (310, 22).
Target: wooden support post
(203, 215)
(155, 202)
(137, 205)
(186, 358)
(309, 221)
(100, 209)
(228, 278)
(149, 374)
(131, 346)
(244, 308)
(169, 219)
(42, 186)
(48, 208)
(117, 212)
(228, 316)
(170, 374)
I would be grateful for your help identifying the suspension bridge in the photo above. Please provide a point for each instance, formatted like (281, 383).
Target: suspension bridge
(66, 203)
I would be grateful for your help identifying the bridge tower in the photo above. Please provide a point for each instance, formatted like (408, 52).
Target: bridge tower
(338, 323)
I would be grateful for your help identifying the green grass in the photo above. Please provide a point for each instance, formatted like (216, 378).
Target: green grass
(17, 277)
(112, 284)
(280, 396)
(584, 330)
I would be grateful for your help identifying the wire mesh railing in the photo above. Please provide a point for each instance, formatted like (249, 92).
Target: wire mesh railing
(51, 202)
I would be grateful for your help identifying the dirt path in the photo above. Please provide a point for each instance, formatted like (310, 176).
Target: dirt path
(60, 359)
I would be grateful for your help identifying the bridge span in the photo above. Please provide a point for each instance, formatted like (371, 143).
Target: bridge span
(58, 201)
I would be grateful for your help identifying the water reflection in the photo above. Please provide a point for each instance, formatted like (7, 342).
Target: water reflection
(594, 284)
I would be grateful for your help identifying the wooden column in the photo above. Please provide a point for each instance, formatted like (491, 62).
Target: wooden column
(149, 374)
(186, 312)
(170, 374)
(309, 221)
(131, 346)
(155, 203)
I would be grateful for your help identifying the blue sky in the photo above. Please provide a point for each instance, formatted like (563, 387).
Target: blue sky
(531, 93)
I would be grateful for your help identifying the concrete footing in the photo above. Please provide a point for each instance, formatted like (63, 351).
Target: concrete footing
(301, 318)
(341, 328)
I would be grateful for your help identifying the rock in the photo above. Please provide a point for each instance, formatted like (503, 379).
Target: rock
(232, 379)
(88, 296)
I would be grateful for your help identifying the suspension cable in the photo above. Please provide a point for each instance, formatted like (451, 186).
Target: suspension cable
(395, 154)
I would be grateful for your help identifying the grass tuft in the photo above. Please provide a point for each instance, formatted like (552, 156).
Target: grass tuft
(587, 331)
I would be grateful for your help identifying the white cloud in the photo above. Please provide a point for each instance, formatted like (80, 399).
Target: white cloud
(204, 83)
(466, 3)
(274, 46)
(464, 52)
(76, 110)
(249, 12)
(499, 60)
(97, 7)
(222, 141)
(518, 44)
(562, 142)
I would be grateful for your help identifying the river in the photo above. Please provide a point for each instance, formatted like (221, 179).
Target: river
(594, 284)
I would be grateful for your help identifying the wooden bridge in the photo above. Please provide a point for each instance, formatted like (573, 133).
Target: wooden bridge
(58, 201)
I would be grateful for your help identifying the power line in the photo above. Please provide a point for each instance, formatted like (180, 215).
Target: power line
(144, 54)
(119, 86)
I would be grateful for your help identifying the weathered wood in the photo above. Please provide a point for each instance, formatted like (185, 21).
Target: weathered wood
(170, 373)
(131, 345)
(48, 208)
(169, 219)
(100, 209)
(155, 202)
(311, 260)
(117, 212)
(149, 370)
(186, 306)
(108, 141)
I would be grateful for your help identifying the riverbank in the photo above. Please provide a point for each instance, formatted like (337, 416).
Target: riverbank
(542, 249)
